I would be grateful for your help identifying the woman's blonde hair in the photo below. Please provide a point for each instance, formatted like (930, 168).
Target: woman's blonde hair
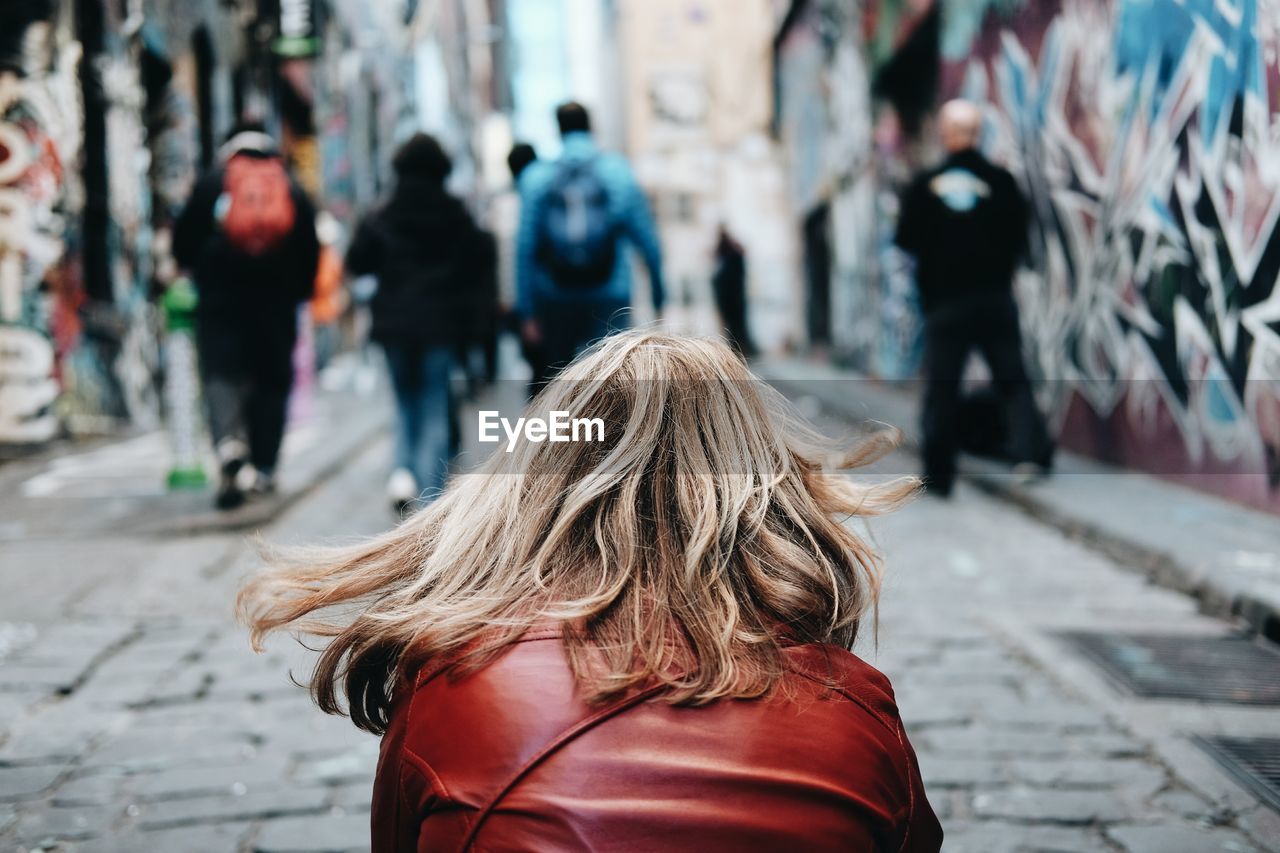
(702, 536)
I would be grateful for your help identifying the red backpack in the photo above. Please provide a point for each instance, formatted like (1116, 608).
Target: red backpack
(257, 204)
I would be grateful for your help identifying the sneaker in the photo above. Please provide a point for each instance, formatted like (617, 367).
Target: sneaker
(1026, 473)
(264, 483)
(402, 488)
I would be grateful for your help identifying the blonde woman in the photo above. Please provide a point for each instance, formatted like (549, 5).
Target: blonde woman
(637, 643)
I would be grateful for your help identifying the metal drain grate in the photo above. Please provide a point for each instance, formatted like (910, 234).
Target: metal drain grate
(1255, 762)
(1230, 668)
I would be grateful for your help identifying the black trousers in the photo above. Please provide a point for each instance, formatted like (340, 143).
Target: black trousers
(731, 301)
(570, 327)
(247, 367)
(988, 324)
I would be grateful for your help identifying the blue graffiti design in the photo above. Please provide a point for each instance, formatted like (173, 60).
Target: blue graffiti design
(1153, 35)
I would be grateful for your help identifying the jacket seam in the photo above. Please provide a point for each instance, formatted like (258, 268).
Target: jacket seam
(911, 786)
(862, 703)
(420, 764)
(534, 635)
(553, 746)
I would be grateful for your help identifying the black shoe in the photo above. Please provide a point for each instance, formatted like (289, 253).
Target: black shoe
(229, 494)
(934, 489)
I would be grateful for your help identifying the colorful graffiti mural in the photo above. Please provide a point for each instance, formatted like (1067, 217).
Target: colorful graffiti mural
(35, 142)
(1152, 159)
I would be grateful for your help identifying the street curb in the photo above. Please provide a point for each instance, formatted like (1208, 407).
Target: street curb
(262, 511)
(1216, 596)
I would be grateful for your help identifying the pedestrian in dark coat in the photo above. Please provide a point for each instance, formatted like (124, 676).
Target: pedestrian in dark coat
(729, 284)
(965, 222)
(247, 237)
(432, 263)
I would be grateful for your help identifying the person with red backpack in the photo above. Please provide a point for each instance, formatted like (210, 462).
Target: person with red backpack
(247, 237)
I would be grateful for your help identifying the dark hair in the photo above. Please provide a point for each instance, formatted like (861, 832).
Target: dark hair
(422, 157)
(522, 154)
(573, 117)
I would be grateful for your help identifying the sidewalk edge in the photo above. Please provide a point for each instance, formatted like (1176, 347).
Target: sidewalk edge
(261, 512)
(1216, 596)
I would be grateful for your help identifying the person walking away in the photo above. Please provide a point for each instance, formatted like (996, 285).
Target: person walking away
(578, 215)
(729, 284)
(965, 222)
(247, 238)
(519, 159)
(426, 252)
(635, 646)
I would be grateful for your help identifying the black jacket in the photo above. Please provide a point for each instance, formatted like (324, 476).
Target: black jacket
(235, 286)
(436, 268)
(965, 222)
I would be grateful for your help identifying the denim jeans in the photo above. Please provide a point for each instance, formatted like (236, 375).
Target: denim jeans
(420, 380)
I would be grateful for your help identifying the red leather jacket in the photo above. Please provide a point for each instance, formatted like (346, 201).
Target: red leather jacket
(510, 759)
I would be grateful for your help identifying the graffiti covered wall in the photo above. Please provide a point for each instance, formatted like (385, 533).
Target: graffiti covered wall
(1147, 136)
(38, 137)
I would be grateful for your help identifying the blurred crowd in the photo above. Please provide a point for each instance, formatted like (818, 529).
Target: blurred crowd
(424, 278)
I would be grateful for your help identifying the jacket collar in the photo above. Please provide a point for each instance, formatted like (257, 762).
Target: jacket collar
(580, 143)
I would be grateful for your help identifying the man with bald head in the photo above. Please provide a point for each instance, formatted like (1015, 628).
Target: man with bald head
(965, 222)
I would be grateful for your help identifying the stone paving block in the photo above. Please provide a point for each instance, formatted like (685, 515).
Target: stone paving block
(24, 676)
(42, 748)
(201, 838)
(26, 782)
(987, 741)
(988, 837)
(1185, 838)
(229, 807)
(257, 681)
(941, 771)
(65, 824)
(354, 797)
(187, 684)
(91, 789)
(324, 834)
(158, 749)
(77, 642)
(1061, 716)
(1110, 744)
(119, 693)
(1134, 775)
(959, 697)
(938, 717)
(187, 781)
(1189, 805)
(1050, 806)
(1261, 823)
(64, 729)
(347, 766)
(319, 734)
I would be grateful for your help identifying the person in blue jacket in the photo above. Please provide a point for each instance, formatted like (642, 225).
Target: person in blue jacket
(578, 214)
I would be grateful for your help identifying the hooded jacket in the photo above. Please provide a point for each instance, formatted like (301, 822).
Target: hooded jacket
(436, 269)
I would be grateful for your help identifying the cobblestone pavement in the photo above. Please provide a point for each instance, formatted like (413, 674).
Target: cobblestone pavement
(135, 718)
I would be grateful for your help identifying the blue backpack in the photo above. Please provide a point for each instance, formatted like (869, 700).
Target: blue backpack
(577, 240)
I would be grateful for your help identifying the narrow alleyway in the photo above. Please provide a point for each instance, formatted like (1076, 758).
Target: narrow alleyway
(135, 717)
